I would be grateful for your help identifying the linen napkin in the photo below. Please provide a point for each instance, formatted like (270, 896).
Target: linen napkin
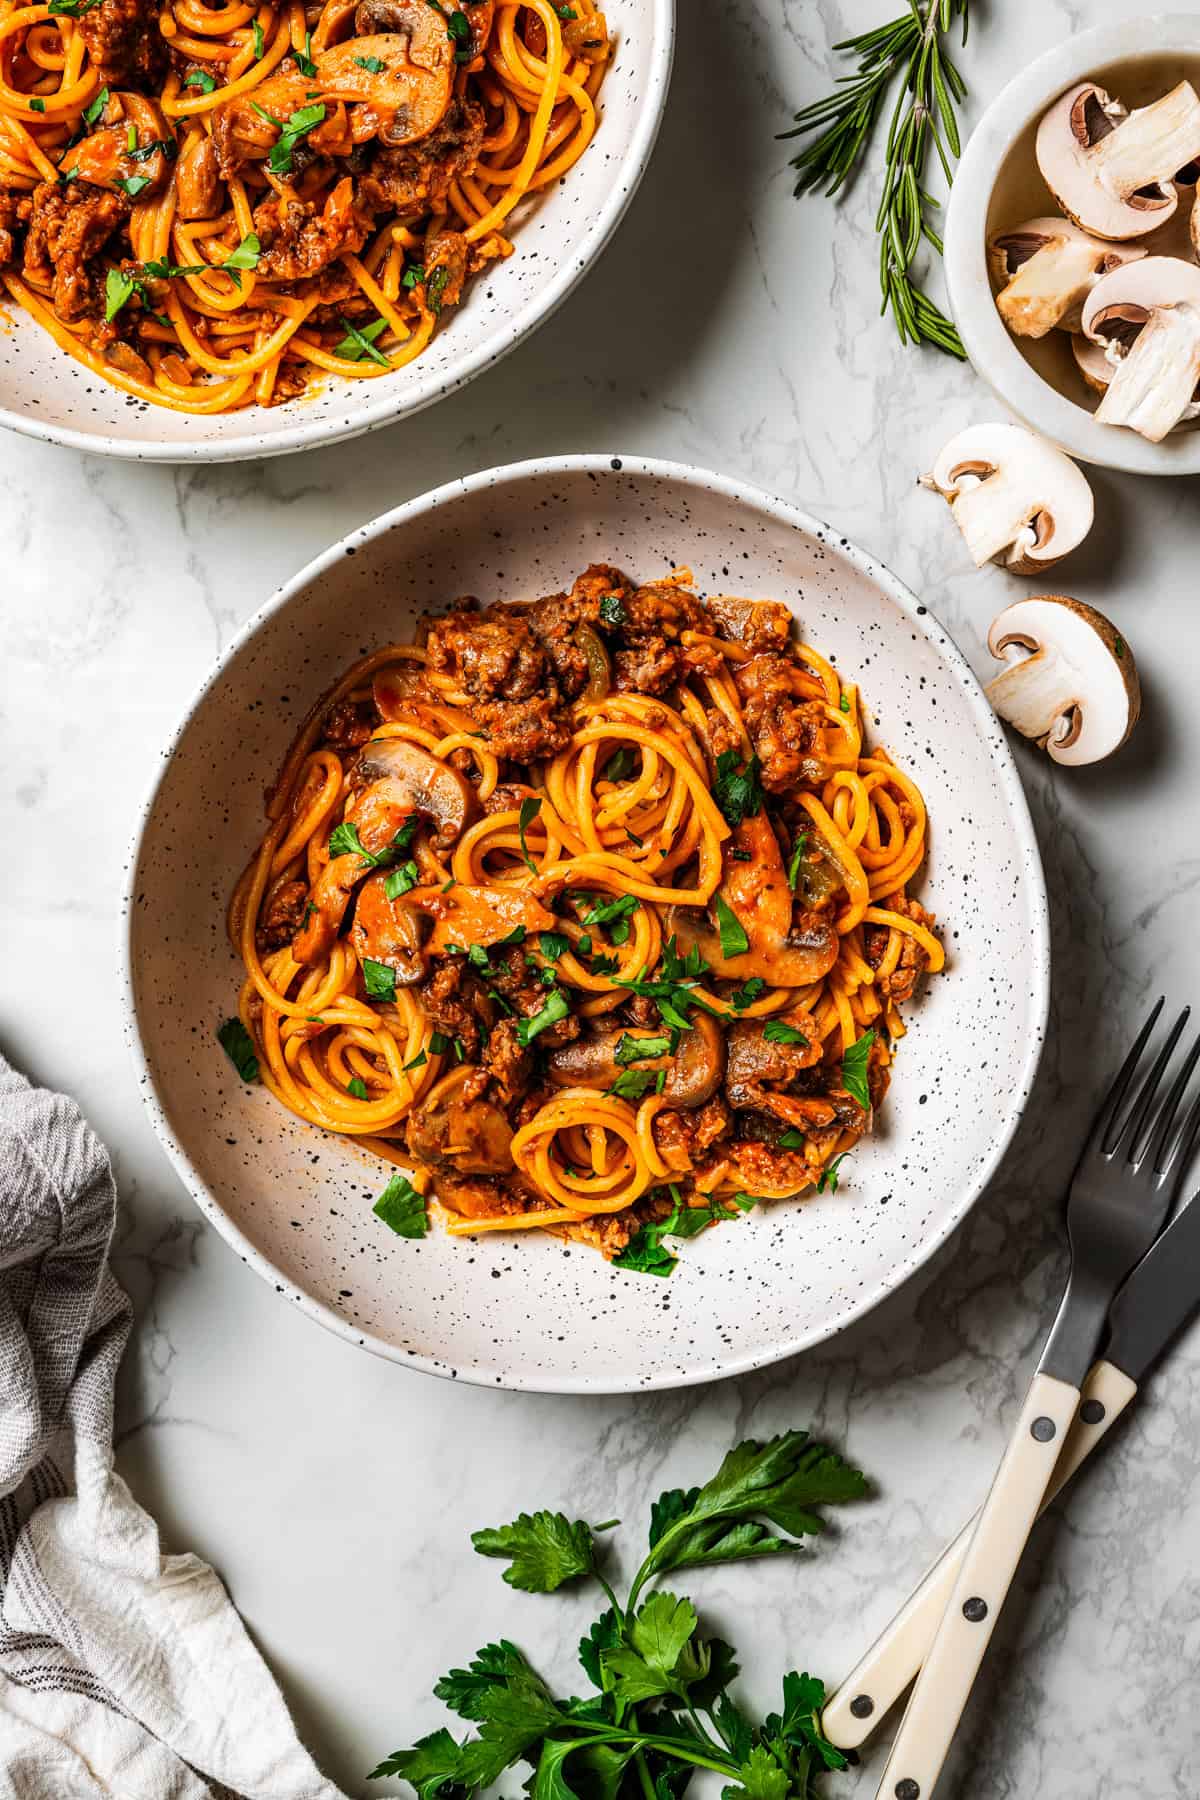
(123, 1672)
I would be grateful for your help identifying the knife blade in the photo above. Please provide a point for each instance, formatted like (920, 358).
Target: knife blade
(1159, 1297)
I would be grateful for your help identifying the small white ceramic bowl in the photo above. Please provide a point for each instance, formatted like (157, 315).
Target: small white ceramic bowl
(533, 1313)
(557, 237)
(997, 183)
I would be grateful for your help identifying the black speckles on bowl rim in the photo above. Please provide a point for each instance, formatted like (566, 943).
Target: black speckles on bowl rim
(556, 236)
(295, 1204)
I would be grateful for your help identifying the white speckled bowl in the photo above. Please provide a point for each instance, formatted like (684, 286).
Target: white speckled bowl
(998, 183)
(557, 237)
(521, 1312)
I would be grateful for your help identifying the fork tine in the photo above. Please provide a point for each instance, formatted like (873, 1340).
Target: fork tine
(1116, 1093)
(1165, 1123)
(1132, 1130)
(1186, 1140)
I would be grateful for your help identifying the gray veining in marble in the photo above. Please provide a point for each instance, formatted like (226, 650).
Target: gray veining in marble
(729, 326)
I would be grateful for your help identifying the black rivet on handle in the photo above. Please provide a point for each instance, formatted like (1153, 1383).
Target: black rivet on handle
(1043, 1429)
(975, 1609)
(862, 1706)
(907, 1790)
(1092, 1411)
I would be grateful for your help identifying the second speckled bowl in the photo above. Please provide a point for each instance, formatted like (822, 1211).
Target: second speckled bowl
(296, 1205)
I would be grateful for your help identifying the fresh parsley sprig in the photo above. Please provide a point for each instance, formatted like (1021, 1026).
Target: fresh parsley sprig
(910, 47)
(662, 1706)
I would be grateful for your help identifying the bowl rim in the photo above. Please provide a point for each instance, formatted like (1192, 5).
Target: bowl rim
(992, 352)
(922, 620)
(386, 408)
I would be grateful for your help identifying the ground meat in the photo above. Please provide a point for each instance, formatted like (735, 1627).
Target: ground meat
(447, 258)
(454, 1002)
(505, 1065)
(281, 917)
(417, 178)
(299, 241)
(70, 224)
(757, 1066)
(497, 659)
(14, 213)
(784, 726)
(683, 1137)
(124, 42)
(649, 668)
(610, 1232)
(522, 987)
(348, 725)
(651, 659)
(598, 582)
(899, 985)
(555, 622)
(758, 624)
(506, 796)
(722, 735)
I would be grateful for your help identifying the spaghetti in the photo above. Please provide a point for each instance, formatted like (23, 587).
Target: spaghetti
(213, 205)
(592, 911)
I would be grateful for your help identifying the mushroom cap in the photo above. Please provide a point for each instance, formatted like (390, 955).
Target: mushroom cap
(1091, 362)
(1012, 245)
(405, 779)
(407, 97)
(1132, 292)
(1065, 147)
(1015, 496)
(693, 1073)
(1076, 691)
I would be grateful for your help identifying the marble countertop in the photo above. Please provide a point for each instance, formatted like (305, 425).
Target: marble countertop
(726, 325)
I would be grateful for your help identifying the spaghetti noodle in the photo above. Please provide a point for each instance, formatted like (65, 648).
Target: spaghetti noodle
(212, 205)
(592, 911)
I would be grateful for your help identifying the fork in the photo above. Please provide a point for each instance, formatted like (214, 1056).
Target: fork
(1119, 1196)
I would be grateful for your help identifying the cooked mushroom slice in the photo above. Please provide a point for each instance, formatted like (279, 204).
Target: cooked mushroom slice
(327, 908)
(694, 1073)
(485, 916)
(470, 1137)
(1016, 499)
(1071, 683)
(405, 779)
(402, 72)
(1113, 171)
(388, 931)
(757, 893)
(1045, 270)
(1146, 319)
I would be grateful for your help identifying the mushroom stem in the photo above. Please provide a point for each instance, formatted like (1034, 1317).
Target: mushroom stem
(1049, 289)
(1152, 387)
(1151, 145)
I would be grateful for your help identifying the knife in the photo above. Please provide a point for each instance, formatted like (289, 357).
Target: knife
(1155, 1302)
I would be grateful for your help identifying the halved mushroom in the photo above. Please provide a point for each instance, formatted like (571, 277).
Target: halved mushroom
(485, 916)
(694, 1073)
(757, 893)
(405, 779)
(389, 932)
(1111, 170)
(1016, 499)
(1071, 684)
(470, 1137)
(403, 74)
(1146, 319)
(1045, 269)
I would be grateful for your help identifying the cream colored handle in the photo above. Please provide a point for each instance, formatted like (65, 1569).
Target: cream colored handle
(984, 1578)
(877, 1681)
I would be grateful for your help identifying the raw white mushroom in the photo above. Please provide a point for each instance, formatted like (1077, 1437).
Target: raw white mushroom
(1113, 171)
(1145, 318)
(1045, 270)
(1016, 498)
(1071, 683)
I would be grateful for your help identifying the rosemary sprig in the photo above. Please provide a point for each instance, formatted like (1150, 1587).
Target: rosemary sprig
(912, 47)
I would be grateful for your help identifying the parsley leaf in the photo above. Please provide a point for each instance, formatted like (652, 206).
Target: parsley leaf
(199, 78)
(854, 1069)
(400, 881)
(776, 1032)
(356, 344)
(827, 1181)
(791, 1140)
(644, 1254)
(614, 914)
(357, 1087)
(469, 1691)
(118, 288)
(132, 184)
(612, 609)
(633, 1084)
(530, 808)
(413, 276)
(378, 979)
(544, 1549)
(259, 45)
(794, 861)
(554, 944)
(643, 1049)
(37, 105)
(238, 1046)
(556, 1008)
(246, 255)
(159, 269)
(430, 1767)
(620, 765)
(737, 789)
(291, 130)
(402, 1208)
(747, 994)
(345, 841)
(303, 58)
(734, 941)
(372, 64)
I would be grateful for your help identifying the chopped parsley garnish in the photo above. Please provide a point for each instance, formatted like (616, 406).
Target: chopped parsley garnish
(159, 269)
(291, 130)
(612, 609)
(401, 880)
(435, 287)
(827, 1181)
(603, 965)
(747, 994)
(614, 914)
(132, 184)
(844, 703)
(303, 58)
(238, 1046)
(345, 841)
(566, 12)
(554, 944)
(776, 1032)
(477, 956)
(740, 856)
(458, 29)
(556, 1008)
(439, 1043)
(645, 1255)
(357, 1087)
(118, 288)
(93, 112)
(530, 809)
(633, 1084)
(791, 1140)
(671, 991)
(854, 1069)
(418, 1061)
(645, 1049)
(402, 1208)
(794, 861)
(379, 979)
(737, 789)
(372, 64)
(259, 45)
(447, 885)
(37, 106)
(413, 276)
(734, 941)
(359, 343)
(620, 765)
(200, 78)
(71, 9)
